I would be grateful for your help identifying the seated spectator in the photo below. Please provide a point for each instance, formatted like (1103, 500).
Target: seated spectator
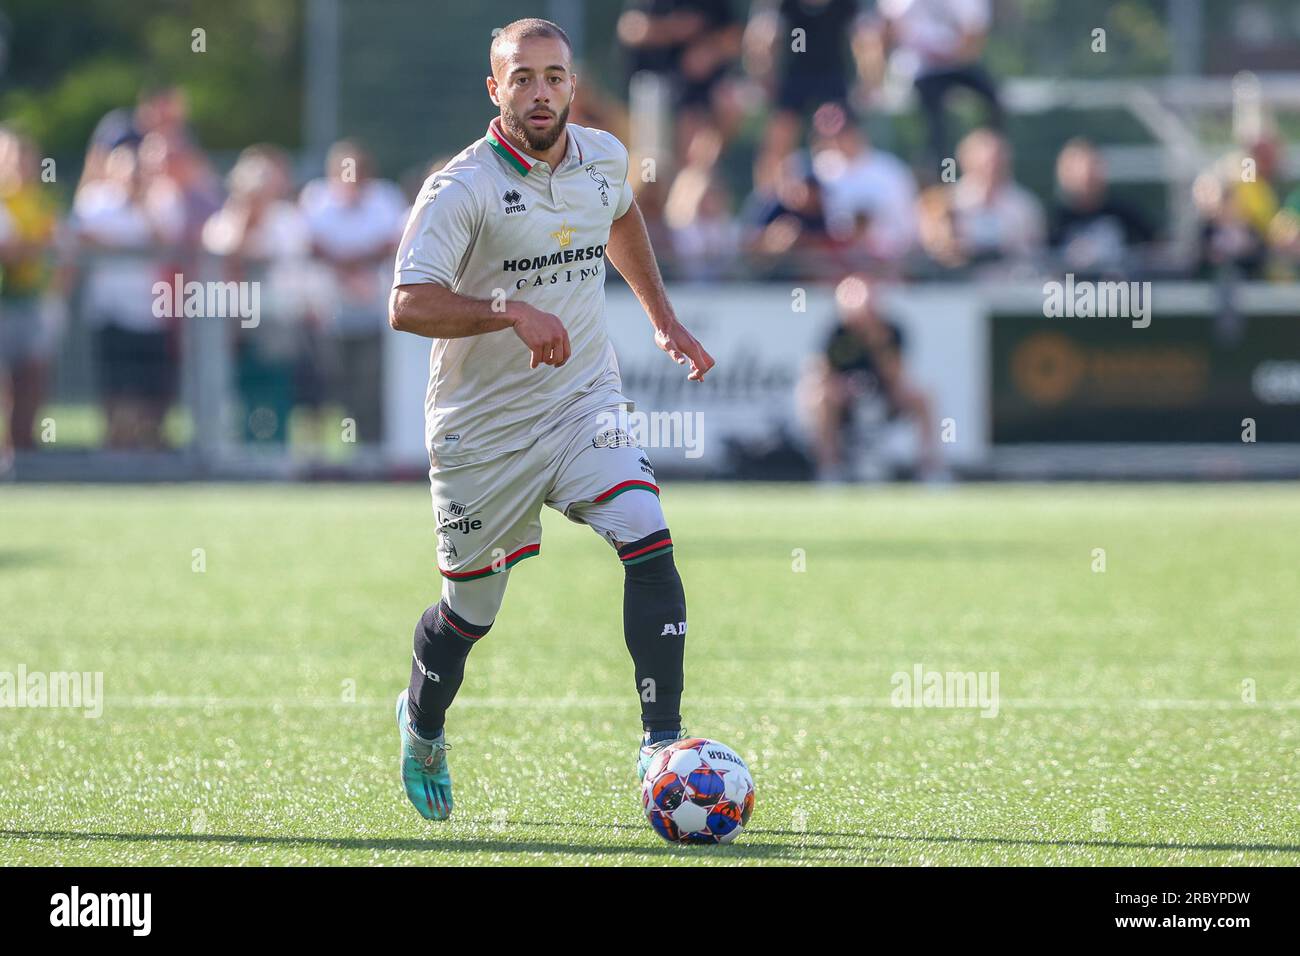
(27, 236)
(937, 44)
(861, 183)
(800, 81)
(996, 218)
(125, 241)
(936, 228)
(790, 223)
(1092, 232)
(859, 378)
(355, 222)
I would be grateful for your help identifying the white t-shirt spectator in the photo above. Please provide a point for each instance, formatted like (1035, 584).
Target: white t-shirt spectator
(120, 278)
(345, 230)
(1010, 224)
(876, 184)
(279, 247)
(372, 224)
(929, 32)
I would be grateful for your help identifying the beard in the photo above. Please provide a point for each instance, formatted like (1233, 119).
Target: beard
(540, 140)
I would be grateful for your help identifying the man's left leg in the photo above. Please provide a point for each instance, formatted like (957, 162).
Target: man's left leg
(612, 489)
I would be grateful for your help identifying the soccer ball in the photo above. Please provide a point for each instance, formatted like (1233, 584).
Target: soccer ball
(697, 791)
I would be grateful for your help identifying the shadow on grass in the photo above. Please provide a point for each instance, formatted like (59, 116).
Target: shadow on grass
(464, 843)
(11, 558)
(813, 843)
(1015, 841)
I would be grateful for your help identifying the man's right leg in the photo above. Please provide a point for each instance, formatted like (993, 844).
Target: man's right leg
(487, 521)
(444, 636)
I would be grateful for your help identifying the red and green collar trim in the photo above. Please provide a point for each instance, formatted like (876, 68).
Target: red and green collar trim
(519, 162)
(515, 159)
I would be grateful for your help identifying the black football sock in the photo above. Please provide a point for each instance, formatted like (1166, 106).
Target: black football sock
(443, 639)
(654, 626)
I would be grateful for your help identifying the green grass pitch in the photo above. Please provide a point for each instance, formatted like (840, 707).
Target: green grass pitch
(1147, 714)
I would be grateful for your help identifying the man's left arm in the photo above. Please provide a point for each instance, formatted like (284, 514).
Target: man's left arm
(630, 252)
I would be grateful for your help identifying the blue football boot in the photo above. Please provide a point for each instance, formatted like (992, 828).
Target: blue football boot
(425, 775)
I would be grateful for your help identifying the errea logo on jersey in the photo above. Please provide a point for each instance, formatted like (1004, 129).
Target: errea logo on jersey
(514, 202)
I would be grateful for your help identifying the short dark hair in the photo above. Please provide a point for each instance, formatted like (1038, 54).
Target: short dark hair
(525, 29)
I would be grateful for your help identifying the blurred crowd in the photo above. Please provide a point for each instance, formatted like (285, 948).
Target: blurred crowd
(150, 213)
(824, 199)
(784, 93)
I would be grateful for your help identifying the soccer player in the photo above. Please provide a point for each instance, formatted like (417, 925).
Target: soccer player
(503, 265)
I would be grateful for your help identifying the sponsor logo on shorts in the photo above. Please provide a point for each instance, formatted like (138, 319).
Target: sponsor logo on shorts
(648, 468)
(455, 508)
(449, 521)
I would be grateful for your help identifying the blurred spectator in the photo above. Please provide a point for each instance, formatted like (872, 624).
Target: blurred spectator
(355, 223)
(594, 106)
(1284, 230)
(180, 176)
(705, 235)
(123, 236)
(1236, 200)
(937, 44)
(936, 226)
(787, 228)
(652, 200)
(858, 380)
(1091, 231)
(27, 235)
(863, 185)
(161, 110)
(995, 217)
(264, 238)
(691, 44)
(803, 70)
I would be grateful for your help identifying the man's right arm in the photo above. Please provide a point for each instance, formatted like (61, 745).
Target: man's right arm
(442, 227)
(435, 312)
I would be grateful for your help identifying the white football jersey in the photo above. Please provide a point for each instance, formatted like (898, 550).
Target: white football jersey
(497, 224)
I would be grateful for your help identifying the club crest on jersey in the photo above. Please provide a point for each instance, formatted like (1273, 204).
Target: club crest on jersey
(601, 183)
(514, 202)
